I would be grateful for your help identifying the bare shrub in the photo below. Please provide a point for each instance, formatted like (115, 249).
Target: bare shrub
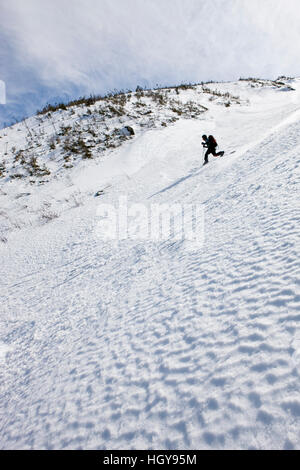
(47, 215)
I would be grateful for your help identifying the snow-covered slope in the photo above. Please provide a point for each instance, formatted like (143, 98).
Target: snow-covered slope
(159, 344)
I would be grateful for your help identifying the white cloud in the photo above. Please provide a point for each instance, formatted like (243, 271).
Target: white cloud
(2, 92)
(99, 45)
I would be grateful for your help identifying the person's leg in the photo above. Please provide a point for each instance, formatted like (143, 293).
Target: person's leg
(219, 154)
(206, 156)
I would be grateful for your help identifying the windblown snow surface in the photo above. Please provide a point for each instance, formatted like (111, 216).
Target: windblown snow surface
(156, 344)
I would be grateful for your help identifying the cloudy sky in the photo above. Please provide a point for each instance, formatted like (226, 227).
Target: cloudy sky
(52, 49)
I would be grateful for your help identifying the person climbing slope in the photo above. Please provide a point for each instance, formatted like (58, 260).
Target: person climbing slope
(211, 145)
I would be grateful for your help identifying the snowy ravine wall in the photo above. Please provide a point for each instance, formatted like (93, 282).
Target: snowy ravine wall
(123, 344)
(63, 139)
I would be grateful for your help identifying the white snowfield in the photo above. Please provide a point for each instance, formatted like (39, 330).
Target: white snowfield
(158, 344)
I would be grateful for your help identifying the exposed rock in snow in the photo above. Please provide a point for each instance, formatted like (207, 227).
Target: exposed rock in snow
(127, 131)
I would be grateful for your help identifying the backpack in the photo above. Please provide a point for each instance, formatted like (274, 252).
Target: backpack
(212, 141)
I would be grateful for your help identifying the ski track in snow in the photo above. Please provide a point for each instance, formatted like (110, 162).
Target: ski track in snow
(143, 345)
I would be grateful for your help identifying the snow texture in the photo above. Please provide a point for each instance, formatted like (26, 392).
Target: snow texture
(133, 345)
